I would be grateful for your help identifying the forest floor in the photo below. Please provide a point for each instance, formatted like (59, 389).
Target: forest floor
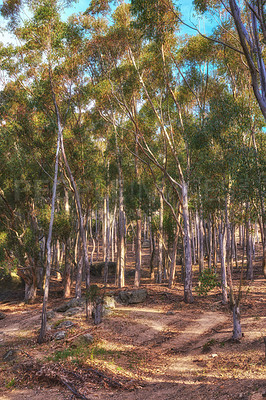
(160, 349)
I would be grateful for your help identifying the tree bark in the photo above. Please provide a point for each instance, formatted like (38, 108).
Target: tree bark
(253, 52)
(222, 259)
(249, 251)
(173, 260)
(160, 241)
(42, 334)
(188, 297)
(138, 249)
(237, 332)
(67, 275)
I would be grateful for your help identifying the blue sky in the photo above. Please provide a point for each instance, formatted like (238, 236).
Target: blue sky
(186, 7)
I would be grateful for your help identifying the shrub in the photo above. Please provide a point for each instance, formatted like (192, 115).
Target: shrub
(207, 281)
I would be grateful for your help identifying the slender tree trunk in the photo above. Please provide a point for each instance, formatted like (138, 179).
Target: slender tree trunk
(188, 297)
(42, 334)
(160, 244)
(67, 280)
(121, 251)
(237, 332)
(249, 250)
(104, 228)
(201, 250)
(228, 238)
(210, 243)
(222, 259)
(81, 225)
(92, 239)
(107, 252)
(138, 249)
(173, 260)
(138, 210)
(214, 243)
(79, 277)
(113, 235)
(193, 240)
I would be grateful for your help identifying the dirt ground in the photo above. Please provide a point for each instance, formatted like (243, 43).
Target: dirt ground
(160, 349)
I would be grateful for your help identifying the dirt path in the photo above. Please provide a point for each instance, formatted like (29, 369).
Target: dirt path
(158, 346)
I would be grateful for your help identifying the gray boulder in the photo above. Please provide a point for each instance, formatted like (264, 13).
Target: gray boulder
(87, 337)
(73, 311)
(134, 296)
(60, 335)
(108, 305)
(10, 355)
(50, 314)
(70, 304)
(98, 268)
(66, 324)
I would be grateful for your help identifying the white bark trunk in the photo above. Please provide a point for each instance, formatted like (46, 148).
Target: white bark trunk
(223, 266)
(188, 297)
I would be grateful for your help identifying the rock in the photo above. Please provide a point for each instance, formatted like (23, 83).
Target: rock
(170, 313)
(64, 307)
(70, 304)
(66, 324)
(108, 305)
(10, 355)
(2, 315)
(50, 314)
(133, 296)
(98, 268)
(87, 337)
(60, 335)
(73, 311)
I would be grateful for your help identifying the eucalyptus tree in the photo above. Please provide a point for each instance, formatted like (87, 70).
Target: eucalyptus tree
(250, 25)
(21, 190)
(50, 54)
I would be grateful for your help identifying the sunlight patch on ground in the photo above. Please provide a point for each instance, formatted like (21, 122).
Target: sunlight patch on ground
(141, 310)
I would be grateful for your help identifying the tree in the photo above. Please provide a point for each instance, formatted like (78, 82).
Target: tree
(250, 24)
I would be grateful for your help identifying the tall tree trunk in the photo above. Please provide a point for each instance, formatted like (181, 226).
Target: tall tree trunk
(42, 334)
(121, 250)
(107, 240)
(67, 277)
(152, 250)
(138, 249)
(200, 241)
(173, 260)
(92, 239)
(188, 297)
(81, 225)
(249, 250)
(210, 243)
(222, 259)
(79, 277)
(104, 228)
(138, 210)
(193, 240)
(79, 262)
(160, 241)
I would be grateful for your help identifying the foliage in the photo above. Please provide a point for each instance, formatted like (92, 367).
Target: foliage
(208, 280)
(94, 294)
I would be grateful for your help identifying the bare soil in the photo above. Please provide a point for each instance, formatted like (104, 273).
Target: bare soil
(160, 349)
